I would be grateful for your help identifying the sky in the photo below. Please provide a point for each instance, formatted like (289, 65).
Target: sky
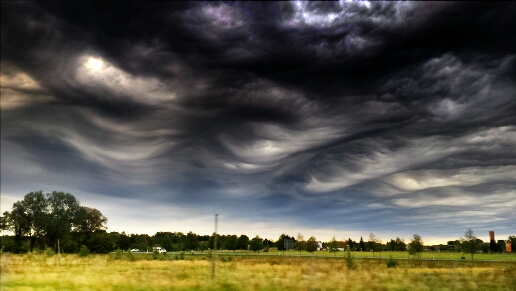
(320, 118)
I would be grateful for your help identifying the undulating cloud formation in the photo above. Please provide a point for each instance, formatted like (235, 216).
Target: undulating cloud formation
(324, 118)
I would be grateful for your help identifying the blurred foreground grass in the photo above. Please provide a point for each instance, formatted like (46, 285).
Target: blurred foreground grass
(103, 272)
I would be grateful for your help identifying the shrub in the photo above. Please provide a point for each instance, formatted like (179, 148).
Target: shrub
(9, 246)
(391, 262)
(84, 252)
(49, 252)
(350, 261)
(155, 255)
(118, 254)
(31, 256)
(130, 256)
(226, 258)
(14, 249)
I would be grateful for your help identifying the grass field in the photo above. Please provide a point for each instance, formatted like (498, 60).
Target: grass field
(103, 272)
(386, 255)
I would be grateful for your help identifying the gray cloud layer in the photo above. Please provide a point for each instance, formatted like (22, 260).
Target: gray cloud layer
(357, 116)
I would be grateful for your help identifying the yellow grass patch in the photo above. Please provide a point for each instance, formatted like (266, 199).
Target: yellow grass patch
(101, 272)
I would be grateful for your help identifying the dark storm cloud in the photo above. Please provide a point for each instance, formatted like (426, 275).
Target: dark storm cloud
(346, 113)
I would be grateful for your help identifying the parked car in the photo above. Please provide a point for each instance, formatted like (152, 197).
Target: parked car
(159, 249)
(134, 250)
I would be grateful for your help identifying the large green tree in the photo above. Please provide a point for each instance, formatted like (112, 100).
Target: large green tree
(256, 244)
(54, 216)
(374, 243)
(300, 243)
(512, 240)
(63, 213)
(361, 244)
(469, 242)
(231, 242)
(415, 245)
(242, 242)
(124, 241)
(191, 242)
(311, 244)
(4, 223)
(333, 246)
(100, 242)
(16, 222)
(351, 244)
(35, 206)
(211, 242)
(396, 245)
(266, 244)
(28, 217)
(284, 242)
(89, 220)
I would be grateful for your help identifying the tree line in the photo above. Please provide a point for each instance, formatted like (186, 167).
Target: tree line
(46, 219)
(42, 220)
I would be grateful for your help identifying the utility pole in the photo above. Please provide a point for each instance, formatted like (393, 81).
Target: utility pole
(214, 259)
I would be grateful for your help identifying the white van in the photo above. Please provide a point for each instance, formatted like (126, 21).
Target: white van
(159, 250)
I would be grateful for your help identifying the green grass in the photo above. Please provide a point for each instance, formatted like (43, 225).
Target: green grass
(385, 255)
(103, 272)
